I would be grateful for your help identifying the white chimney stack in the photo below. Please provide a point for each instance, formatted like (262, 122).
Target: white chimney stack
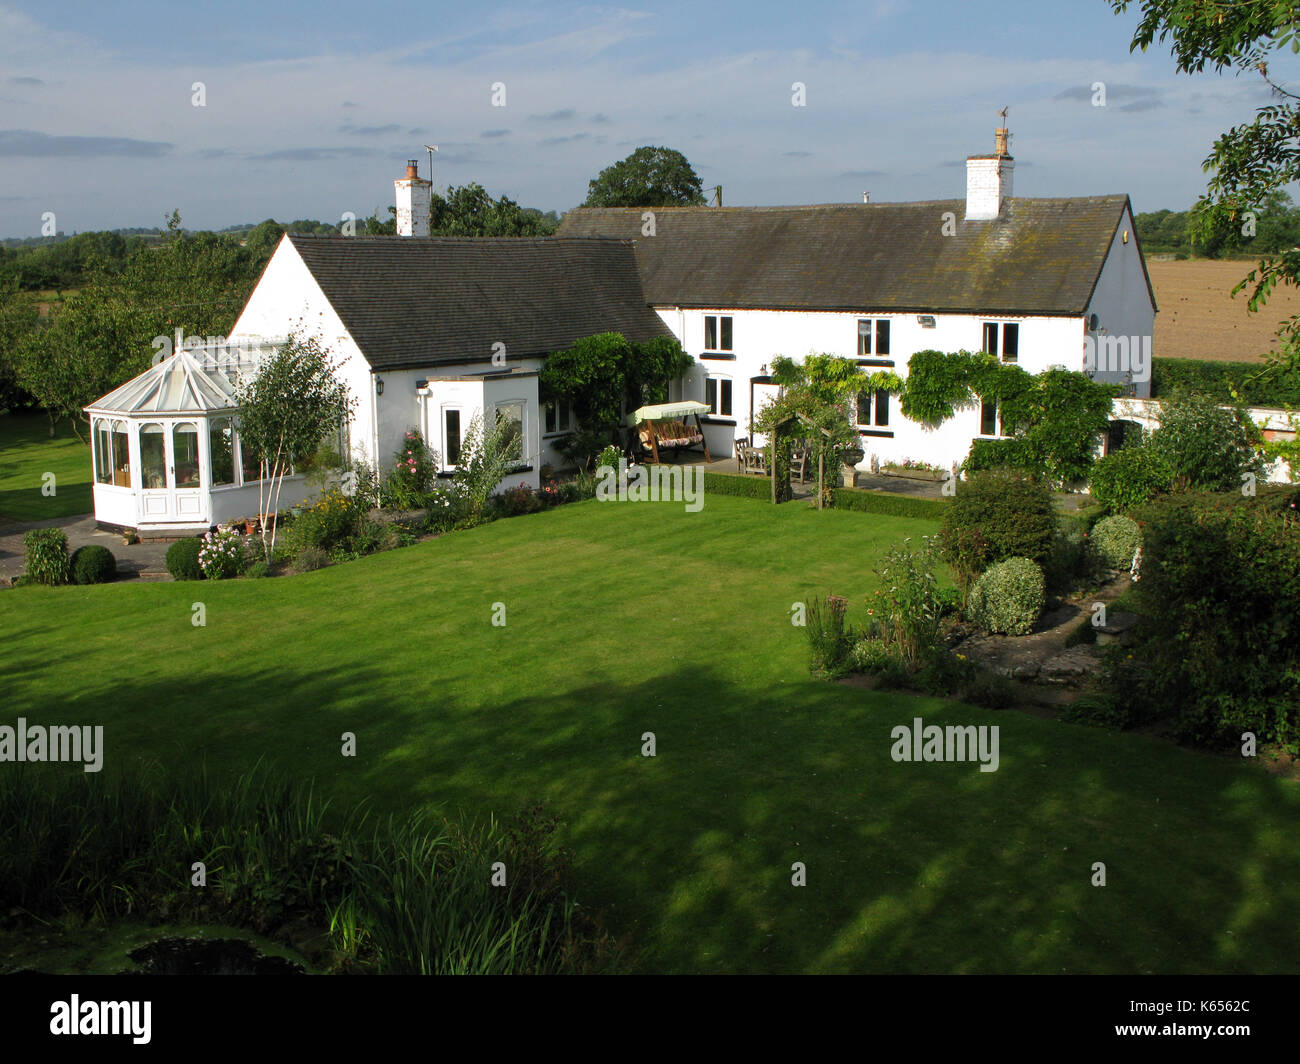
(413, 197)
(988, 180)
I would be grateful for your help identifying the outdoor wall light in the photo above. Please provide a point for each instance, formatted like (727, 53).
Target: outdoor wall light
(379, 385)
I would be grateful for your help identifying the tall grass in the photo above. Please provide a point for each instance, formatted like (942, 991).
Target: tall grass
(396, 896)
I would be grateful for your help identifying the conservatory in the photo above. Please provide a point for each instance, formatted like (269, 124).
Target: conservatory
(167, 455)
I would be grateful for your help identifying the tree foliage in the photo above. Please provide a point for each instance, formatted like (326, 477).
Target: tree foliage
(287, 408)
(600, 376)
(468, 210)
(1251, 162)
(649, 177)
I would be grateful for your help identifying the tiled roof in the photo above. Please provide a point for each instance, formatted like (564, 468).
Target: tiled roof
(1043, 256)
(411, 302)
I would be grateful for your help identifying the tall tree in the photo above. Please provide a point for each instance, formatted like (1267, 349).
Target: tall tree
(649, 177)
(286, 410)
(1251, 161)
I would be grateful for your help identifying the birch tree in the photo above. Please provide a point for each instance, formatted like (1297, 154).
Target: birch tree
(292, 403)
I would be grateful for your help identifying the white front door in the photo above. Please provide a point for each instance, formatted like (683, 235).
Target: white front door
(171, 489)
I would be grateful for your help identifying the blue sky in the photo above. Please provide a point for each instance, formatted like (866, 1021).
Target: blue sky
(312, 108)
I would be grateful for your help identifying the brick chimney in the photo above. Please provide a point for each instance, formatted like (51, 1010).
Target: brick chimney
(412, 193)
(988, 180)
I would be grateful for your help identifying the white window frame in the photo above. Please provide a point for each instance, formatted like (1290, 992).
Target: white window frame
(444, 452)
(1000, 340)
(522, 460)
(563, 425)
(875, 324)
(717, 320)
(715, 408)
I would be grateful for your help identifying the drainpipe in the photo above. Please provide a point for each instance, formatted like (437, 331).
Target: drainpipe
(374, 418)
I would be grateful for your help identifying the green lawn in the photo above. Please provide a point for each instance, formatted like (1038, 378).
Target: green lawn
(26, 454)
(626, 618)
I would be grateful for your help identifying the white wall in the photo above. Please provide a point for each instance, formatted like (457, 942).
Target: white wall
(758, 336)
(287, 299)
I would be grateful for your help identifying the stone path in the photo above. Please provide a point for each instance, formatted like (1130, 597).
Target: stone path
(1042, 658)
(146, 559)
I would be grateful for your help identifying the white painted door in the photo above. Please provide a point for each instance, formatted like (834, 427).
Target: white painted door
(171, 489)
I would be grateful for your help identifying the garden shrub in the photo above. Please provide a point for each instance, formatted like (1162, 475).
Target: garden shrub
(1205, 446)
(1008, 598)
(828, 640)
(259, 570)
(1098, 710)
(1115, 541)
(989, 690)
(183, 559)
(1129, 477)
(1069, 561)
(415, 469)
(92, 564)
(997, 515)
(906, 608)
(221, 555)
(310, 559)
(330, 523)
(874, 657)
(46, 551)
(1219, 601)
(995, 454)
(521, 499)
(609, 458)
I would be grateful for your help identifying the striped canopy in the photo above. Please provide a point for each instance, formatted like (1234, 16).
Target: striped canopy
(667, 410)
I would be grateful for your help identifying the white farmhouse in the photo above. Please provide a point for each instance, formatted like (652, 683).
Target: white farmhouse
(432, 332)
(1039, 282)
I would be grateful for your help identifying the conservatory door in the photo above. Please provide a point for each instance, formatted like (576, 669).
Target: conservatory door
(169, 470)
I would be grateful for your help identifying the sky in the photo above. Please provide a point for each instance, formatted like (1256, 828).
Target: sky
(310, 110)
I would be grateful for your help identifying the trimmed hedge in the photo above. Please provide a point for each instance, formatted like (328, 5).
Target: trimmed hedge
(1116, 540)
(183, 559)
(93, 564)
(887, 504)
(736, 484)
(1211, 378)
(1008, 598)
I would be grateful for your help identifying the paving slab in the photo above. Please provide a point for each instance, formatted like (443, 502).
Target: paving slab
(147, 559)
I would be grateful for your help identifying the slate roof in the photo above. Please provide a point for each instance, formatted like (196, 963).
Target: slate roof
(413, 302)
(1043, 256)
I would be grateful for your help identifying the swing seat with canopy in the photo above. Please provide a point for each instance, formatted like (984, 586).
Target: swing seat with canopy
(663, 428)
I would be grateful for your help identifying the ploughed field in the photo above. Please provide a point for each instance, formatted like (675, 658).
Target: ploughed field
(626, 618)
(1199, 317)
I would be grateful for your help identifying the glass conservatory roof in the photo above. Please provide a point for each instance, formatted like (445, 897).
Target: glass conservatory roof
(176, 385)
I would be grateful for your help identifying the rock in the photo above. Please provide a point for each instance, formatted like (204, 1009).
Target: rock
(1070, 667)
